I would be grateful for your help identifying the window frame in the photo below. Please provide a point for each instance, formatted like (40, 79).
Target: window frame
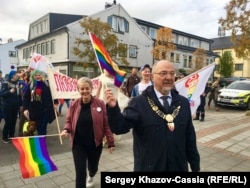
(133, 51)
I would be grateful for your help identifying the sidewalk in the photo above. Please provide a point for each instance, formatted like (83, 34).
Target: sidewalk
(223, 140)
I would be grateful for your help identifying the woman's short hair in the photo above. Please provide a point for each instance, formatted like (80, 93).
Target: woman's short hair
(85, 80)
(34, 72)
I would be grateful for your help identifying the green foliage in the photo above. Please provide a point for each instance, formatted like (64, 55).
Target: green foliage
(226, 65)
(237, 21)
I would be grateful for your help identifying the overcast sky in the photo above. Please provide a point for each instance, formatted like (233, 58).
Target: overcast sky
(191, 16)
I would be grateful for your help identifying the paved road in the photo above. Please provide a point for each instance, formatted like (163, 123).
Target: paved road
(223, 141)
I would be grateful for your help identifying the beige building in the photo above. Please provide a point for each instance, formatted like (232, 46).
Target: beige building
(224, 44)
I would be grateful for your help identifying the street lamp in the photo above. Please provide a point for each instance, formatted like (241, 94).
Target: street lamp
(221, 33)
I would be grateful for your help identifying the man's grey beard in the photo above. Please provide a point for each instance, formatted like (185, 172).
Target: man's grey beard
(166, 90)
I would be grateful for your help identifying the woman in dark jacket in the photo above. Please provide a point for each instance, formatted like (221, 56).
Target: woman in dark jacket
(38, 104)
(12, 102)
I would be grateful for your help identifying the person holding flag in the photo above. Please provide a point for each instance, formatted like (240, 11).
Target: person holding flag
(164, 135)
(86, 123)
(200, 112)
(38, 104)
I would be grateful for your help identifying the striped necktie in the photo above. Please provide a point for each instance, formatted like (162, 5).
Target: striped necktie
(165, 102)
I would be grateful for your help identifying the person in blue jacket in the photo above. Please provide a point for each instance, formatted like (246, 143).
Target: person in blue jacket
(11, 104)
(164, 140)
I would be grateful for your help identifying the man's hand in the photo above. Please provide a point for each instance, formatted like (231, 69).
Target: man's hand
(110, 98)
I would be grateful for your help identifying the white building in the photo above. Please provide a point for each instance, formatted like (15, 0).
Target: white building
(53, 36)
(8, 55)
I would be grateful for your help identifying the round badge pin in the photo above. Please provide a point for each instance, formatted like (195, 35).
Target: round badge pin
(98, 109)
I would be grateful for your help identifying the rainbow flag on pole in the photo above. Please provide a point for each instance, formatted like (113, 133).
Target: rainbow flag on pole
(34, 157)
(105, 60)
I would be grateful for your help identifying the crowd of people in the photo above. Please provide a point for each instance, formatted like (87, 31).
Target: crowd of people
(148, 104)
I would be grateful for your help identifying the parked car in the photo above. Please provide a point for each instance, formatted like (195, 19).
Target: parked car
(236, 94)
(228, 80)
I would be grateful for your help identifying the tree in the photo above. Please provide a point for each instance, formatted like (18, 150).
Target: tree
(199, 58)
(226, 65)
(237, 21)
(163, 44)
(110, 41)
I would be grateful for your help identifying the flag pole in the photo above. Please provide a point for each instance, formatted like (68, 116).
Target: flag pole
(35, 136)
(105, 84)
(57, 122)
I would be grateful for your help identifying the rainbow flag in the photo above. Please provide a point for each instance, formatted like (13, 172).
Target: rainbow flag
(34, 157)
(106, 62)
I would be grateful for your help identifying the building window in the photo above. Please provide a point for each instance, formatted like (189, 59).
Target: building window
(217, 67)
(180, 40)
(239, 67)
(189, 61)
(53, 46)
(31, 50)
(185, 61)
(43, 50)
(123, 48)
(118, 24)
(207, 61)
(34, 48)
(174, 38)
(24, 54)
(205, 45)
(172, 57)
(48, 48)
(133, 51)
(194, 43)
(185, 41)
(39, 48)
(177, 58)
(228, 51)
(12, 53)
(27, 53)
(144, 28)
(152, 33)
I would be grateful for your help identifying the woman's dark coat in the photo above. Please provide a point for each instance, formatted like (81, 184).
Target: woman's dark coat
(46, 106)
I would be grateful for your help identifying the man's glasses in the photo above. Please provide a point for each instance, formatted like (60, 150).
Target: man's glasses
(164, 74)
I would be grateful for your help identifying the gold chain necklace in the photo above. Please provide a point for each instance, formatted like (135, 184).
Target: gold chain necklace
(168, 117)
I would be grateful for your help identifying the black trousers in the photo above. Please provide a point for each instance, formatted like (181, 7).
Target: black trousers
(201, 108)
(10, 117)
(85, 157)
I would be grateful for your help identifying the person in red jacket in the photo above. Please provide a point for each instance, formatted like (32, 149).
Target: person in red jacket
(87, 124)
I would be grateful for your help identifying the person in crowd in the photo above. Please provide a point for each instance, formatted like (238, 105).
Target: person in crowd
(210, 95)
(145, 81)
(213, 94)
(200, 111)
(38, 104)
(1, 99)
(132, 80)
(164, 139)
(87, 123)
(61, 103)
(107, 81)
(11, 104)
(23, 85)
